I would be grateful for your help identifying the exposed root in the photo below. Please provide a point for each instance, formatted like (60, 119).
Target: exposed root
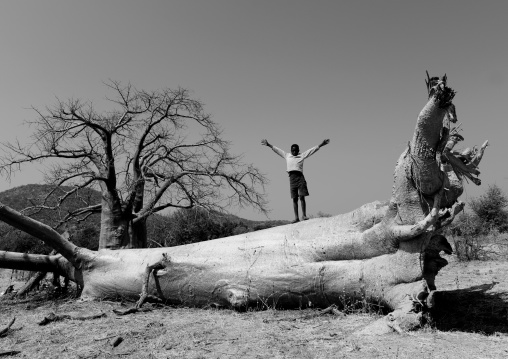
(4, 331)
(9, 290)
(148, 271)
(52, 317)
(332, 309)
(144, 296)
(131, 310)
(31, 284)
(9, 353)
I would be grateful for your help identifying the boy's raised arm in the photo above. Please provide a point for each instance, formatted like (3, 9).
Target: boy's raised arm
(313, 150)
(275, 149)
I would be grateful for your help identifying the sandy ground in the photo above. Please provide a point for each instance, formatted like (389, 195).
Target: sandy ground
(472, 323)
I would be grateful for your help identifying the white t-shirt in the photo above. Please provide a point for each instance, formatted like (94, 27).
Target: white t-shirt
(295, 163)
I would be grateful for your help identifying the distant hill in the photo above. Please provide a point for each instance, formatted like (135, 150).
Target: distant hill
(24, 196)
(180, 227)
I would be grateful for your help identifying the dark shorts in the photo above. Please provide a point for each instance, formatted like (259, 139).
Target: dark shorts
(297, 184)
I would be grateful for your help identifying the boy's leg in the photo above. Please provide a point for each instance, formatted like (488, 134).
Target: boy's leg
(295, 209)
(304, 207)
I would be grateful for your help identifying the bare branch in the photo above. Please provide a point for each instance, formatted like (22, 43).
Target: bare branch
(152, 151)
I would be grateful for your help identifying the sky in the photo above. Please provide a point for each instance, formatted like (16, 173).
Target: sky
(288, 71)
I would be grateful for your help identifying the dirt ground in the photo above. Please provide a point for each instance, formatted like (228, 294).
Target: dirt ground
(472, 323)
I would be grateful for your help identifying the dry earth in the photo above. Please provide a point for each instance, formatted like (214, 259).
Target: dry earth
(472, 323)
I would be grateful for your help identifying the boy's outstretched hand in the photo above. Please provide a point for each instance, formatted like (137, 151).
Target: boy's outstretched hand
(265, 143)
(325, 142)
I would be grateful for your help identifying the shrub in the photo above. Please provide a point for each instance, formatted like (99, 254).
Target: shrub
(186, 226)
(477, 235)
(490, 208)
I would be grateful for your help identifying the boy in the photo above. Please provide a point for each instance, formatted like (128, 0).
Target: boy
(297, 183)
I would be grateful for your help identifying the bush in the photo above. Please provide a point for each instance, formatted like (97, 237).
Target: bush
(186, 226)
(490, 208)
(478, 235)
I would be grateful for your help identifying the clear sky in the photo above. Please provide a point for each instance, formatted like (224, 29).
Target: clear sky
(288, 71)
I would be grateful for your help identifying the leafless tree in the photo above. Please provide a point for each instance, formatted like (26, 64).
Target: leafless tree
(152, 151)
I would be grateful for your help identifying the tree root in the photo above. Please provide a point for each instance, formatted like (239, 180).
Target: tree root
(52, 317)
(9, 290)
(131, 310)
(39, 276)
(154, 268)
(332, 309)
(9, 353)
(31, 284)
(144, 296)
(4, 331)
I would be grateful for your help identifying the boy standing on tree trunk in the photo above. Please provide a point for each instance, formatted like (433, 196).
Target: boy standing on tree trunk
(297, 183)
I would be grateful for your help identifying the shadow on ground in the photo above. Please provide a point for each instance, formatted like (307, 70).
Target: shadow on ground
(476, 309)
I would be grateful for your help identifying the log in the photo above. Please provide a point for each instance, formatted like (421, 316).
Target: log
(385, 253)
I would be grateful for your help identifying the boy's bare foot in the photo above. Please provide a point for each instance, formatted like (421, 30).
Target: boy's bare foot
(304, 218)
(296, 220)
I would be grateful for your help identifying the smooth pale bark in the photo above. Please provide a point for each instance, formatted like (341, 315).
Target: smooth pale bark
(289, 266)
(119, 230)
(386, 253)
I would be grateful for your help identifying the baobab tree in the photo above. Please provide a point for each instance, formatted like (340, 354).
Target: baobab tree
(152, 151)
(383, 252)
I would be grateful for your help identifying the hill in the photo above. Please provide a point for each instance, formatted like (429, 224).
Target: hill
(180, 227)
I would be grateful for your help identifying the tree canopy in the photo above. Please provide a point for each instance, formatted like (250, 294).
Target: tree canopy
(153, 150)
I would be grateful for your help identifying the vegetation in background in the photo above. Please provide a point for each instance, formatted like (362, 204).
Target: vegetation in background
(83, 233)
(183, 226)
(193, 225)
(482, 232)
(490, 208)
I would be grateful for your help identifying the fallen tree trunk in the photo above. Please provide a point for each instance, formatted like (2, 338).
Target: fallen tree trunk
(383, 253)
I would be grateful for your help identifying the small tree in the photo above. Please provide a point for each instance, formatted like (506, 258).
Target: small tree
(490, 208)
(153, 151)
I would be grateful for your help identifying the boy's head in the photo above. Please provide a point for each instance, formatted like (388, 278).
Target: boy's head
(295, 150)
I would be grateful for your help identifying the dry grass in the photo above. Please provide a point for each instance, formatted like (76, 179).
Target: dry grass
(471, 323)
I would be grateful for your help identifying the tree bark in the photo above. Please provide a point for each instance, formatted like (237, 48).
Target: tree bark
(118, 230)
(387, 253)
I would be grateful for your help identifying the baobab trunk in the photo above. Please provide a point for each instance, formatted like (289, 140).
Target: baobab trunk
(314, 263)
(119, 230)
(383, 252)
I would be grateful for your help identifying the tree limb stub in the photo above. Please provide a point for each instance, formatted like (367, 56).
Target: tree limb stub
(6, 329)
(149, 270)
